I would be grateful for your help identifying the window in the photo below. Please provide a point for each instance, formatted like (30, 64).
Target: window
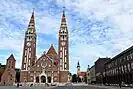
(115, 62)
(49, 65)
(30, 49)
(131, 56)
(29, 62)
(120, 60)
(24, 59)
(61, 54)
(65, 66)
(65, 59)
(125, 68)
(29, 55)
(128, 57)
(65, 52)
(37, 65)
(24, 65)
(128, 67)
(122, 69)
(61, 48)
(132, 65)
(25, 52)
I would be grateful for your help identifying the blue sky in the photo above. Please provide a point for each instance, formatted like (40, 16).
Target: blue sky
(97, 28)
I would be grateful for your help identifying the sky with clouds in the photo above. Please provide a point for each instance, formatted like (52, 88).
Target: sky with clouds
(97, 28)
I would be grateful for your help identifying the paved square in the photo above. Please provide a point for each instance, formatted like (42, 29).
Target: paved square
(58, 87)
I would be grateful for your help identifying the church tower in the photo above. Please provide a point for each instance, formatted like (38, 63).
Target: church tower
(29, 50)
(78, 67)
(63, 50)
(63, 44)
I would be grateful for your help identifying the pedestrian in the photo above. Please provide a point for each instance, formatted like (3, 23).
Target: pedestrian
(18, 85)
(120, 84)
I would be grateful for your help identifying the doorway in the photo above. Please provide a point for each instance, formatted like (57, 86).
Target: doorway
(37, 79)
(49, 79)
(43, 79)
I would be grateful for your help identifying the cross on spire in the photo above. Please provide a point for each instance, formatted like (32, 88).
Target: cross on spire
(64, 11)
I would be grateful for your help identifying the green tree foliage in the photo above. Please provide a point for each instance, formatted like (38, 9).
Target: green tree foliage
(74, 78)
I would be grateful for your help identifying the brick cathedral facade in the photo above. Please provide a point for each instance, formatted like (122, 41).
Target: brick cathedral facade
(51, 66)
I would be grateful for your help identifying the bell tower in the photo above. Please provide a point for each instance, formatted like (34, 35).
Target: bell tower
(63, 44)
(63, 50)
(78, 67)
(29, 50)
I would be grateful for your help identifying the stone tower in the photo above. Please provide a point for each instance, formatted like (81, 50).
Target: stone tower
(63, 50)
(29, 50)
(9, 75)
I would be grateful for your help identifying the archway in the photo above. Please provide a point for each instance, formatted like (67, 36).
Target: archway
(49, 79)
(37, 79)
(43, 79)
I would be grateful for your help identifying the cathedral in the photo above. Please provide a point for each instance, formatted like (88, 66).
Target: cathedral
(51, 66)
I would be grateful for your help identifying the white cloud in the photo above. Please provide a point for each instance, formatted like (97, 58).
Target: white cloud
(87, 42)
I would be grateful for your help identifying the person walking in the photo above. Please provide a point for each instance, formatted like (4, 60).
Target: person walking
(120, 84)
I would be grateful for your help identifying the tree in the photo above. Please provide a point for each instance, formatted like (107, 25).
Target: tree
(70, 74)
(74, 78)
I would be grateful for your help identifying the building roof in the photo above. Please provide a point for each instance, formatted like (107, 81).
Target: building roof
(11, 57)
(81, 73)
(51, 50)
(120, 54)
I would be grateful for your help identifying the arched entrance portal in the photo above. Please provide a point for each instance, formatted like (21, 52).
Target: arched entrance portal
(43, 79)
(49, 79)
(37, 79)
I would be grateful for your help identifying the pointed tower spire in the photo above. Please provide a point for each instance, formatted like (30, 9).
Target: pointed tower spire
(31, 25)
(63, 20)
(78, 65)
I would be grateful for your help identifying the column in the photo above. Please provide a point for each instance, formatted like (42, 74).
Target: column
(39, 79)
(52, 78)
(46, 79)
(34, 79)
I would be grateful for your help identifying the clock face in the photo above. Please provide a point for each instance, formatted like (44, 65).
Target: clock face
(28, 44)
(63, 43)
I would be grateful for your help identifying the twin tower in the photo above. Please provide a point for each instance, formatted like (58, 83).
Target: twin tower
(56, 64)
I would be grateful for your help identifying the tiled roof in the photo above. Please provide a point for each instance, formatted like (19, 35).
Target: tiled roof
(81, 73)
(11, 57)
(51, 50)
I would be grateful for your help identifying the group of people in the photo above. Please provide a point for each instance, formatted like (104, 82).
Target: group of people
(46, 84)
